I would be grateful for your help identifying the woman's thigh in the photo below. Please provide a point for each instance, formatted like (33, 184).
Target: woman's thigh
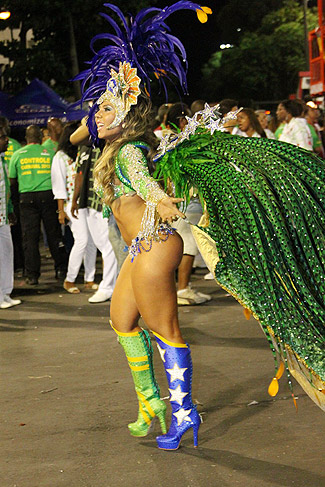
(124, 311)
(154, 288)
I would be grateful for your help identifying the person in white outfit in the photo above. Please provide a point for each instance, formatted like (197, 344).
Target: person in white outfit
(6, 246)
(63, 172)
(87, 208)
(296, 130)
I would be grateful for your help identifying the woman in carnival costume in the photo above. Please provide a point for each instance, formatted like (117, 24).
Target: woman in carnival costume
(262, 234)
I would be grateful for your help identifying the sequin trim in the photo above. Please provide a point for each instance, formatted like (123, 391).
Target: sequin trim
(143, 241)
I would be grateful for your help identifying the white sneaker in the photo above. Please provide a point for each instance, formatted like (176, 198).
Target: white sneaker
(188, 296)
(8, 302)
(100, 297)
(209, 277)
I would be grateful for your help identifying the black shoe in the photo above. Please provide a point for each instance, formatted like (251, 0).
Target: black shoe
(32, 281)
(60, 274)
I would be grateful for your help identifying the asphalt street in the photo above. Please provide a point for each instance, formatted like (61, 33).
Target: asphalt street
(67, 396)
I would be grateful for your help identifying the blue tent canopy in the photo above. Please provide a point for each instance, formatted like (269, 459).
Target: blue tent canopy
(35, 104)
(4, 102)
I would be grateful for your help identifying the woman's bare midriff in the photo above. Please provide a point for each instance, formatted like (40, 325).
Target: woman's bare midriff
(128, 212)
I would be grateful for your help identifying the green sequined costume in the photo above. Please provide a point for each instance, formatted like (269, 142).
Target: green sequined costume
(264, 237)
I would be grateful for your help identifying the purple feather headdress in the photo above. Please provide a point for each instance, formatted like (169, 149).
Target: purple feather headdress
(145, 42)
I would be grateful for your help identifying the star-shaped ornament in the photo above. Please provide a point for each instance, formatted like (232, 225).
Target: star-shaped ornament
(209, 112)
(163, 145)
(192, 125)
(162, 352)
(183, 415)
(213, 125)
(176, 373)
(177, 395)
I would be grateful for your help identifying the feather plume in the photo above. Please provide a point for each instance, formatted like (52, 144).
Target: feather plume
(145, 42)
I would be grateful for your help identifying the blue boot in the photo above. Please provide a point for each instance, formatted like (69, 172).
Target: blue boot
(178, 365)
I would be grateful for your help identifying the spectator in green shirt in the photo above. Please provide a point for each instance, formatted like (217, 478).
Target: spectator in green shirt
(13, 144)
(55, 127)
(30, 170)
(15, 227)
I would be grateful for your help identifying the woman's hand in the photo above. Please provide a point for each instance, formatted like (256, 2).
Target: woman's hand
(74, 209)
(63, 217)
(168, 210)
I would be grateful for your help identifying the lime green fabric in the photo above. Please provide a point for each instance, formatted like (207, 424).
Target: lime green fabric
(50, 145)
(5, 202)
(13, 145)
(279, 131)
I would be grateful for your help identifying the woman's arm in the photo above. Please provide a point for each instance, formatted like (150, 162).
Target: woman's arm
(59, 176)
(59, 184)
(81, 135)
(62, 216)
(134, 169)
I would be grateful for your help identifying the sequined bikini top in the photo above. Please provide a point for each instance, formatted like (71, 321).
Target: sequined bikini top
(131, 168)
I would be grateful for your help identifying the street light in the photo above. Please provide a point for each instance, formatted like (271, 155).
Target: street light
(225, 46)
(4, 14)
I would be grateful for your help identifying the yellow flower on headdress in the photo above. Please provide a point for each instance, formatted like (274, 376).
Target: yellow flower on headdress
(128, 83)
(122, 91)
(202, 14)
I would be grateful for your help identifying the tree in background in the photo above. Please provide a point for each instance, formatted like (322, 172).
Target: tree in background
(265, 63)
(60, 45)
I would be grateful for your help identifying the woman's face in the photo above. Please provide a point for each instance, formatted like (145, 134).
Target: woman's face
(45, 135)
(243, 121)
(281, 113)
(262, 118)
(104, 117)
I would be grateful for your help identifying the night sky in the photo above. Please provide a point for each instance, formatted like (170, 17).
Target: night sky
(200, 40)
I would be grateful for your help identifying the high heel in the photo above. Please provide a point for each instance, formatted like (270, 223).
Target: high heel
(138, 350)
(172, 440)
(149, 410)
(178, 365)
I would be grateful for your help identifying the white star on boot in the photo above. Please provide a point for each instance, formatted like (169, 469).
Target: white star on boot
(176, 373)
(177, 395)
(183, 415)
(162, 352)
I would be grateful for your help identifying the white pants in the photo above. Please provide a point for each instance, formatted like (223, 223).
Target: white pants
(93, 222)
(83, 250)
(6, 262)
(193, 213)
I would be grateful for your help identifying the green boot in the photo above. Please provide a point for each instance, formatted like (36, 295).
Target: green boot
(138, 351)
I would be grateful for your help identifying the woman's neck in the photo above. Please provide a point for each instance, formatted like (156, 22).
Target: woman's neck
(250, 131)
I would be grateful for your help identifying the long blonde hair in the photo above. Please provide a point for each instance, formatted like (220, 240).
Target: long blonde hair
(137, 127)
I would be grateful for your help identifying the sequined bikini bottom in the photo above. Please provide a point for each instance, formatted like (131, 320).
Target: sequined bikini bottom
(144, 244)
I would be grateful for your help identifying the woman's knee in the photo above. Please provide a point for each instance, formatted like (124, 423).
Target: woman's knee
(171, 333)
(123, 324)
(123, 312)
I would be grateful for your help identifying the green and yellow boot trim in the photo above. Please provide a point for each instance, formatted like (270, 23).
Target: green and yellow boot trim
(138, 351)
